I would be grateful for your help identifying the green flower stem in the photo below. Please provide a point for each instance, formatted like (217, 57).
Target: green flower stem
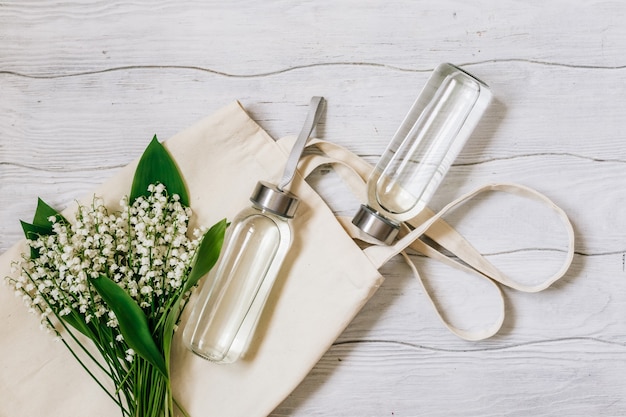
(180, 408)
(151, 391)
(117, 400)
(67, 329)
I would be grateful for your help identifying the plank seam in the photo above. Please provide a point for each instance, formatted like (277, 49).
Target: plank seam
(485, 349)
(306, 66)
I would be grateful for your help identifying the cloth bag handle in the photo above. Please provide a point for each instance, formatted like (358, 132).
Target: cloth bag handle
(354, 171)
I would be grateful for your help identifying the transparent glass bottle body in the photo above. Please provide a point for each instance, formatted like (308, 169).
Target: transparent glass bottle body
(232, 298)
(427, 142)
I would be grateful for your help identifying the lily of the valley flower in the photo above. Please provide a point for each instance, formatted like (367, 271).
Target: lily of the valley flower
(144, 248)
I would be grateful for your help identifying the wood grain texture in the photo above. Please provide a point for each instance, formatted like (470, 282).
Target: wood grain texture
(85, 84)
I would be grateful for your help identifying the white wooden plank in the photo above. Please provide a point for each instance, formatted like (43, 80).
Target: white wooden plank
(537, 111)
(563, 377)
(245, 38)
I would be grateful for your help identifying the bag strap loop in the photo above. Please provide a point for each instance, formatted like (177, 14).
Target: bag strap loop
(355, 171)
(381, 254)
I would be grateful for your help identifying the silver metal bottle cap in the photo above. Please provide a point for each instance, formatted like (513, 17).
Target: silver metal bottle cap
(375, 225)
(268, 197)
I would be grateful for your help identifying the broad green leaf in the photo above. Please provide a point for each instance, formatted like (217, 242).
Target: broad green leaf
(41, 226)
(207, 254)
(132, 322)
(43, 213)
(32, 232)
(168, 331)
(157, 166)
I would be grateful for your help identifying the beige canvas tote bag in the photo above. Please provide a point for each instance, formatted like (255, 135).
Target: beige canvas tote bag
(325, 281)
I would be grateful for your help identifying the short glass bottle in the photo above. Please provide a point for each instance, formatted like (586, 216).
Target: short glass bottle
(232, 298)
(422, 150)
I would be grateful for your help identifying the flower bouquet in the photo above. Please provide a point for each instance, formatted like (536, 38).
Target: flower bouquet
(111, 285)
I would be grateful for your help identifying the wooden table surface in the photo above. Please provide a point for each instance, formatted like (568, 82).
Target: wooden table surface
(85, 84)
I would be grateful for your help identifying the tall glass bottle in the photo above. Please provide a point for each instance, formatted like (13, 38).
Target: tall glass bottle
(229, 305)
(422, 150)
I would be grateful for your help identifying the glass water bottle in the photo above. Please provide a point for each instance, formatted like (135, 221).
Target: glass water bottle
(422, 150)
(230, 303)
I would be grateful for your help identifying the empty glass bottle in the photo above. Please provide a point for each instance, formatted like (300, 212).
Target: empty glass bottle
(229, 305)
(422, 150)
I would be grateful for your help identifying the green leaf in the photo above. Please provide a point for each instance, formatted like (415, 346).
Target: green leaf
(41, 226)
(168, 331)
(207, 254)
(43, 213)
(132, 321)
(157, 166)
(32, 232)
